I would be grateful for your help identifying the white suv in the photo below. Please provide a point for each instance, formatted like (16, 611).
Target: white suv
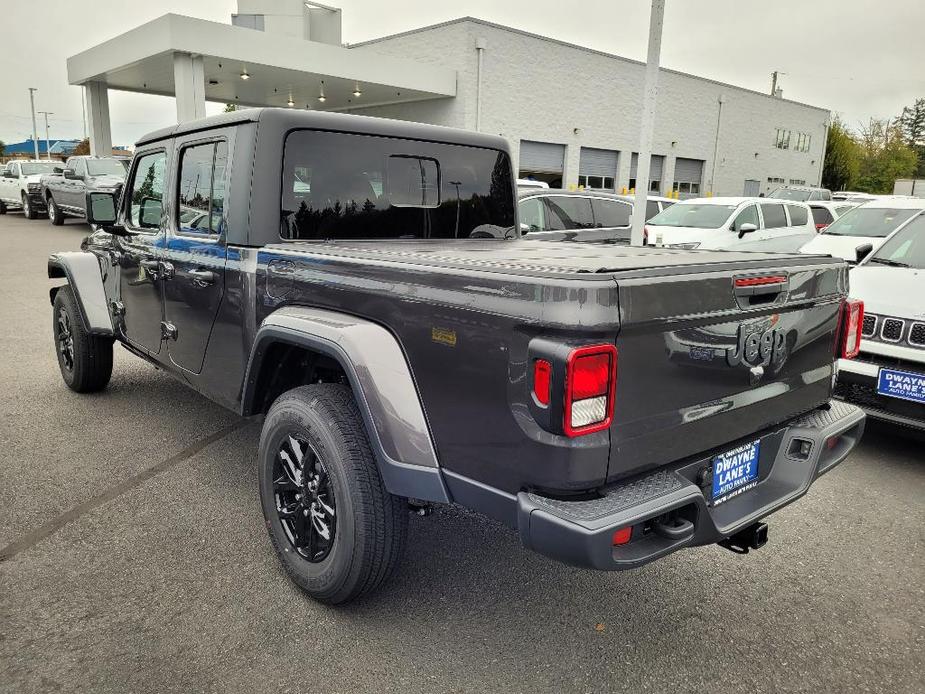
(759, 224)
(887, 378)
(20, 186)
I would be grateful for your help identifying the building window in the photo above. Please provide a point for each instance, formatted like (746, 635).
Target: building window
(776, 180)
(596, 182)
(803, 140)
(798, 181)
(655, 186)
(692, 187)
(782, 139)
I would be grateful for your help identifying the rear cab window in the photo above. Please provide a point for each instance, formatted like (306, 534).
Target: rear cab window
(349, 186)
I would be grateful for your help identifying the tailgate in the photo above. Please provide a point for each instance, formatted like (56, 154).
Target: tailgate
(706, 359)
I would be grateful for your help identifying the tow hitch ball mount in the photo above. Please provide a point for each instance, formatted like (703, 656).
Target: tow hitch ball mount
(754, 536)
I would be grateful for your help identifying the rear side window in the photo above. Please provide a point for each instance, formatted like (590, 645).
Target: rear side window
(821, 215)
(201, 188)
(798, 215)
(651, 209)
(348, 186)
(568, 212)
(146, 195)
(610, 213)
(774, 216)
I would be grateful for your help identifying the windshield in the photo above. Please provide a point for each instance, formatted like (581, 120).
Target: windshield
(874, 222)
(99, 167)
(791, 194)
(906, 248)
(39, 167)
(697, 216)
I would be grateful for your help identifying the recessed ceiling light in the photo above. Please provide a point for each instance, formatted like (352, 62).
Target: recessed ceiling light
(290, 103)
(321, 93)
(356, 90)
(244, 75)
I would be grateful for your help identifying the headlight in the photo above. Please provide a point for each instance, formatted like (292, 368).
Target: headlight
(35, 187)
(686, 246)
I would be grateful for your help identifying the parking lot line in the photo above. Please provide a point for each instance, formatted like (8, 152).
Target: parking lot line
(32, 538)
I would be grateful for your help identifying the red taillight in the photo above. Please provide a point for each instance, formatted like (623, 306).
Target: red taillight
(852, 319)
(590, 381)
(623, 535)
(820, 227)
(542, 373)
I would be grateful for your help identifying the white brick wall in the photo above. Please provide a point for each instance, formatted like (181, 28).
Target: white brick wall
(539, 89)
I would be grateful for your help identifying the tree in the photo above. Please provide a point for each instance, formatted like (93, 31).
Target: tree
(912, 126)
(2, 147)
(885, 156)
(841, 164)
(83, 147)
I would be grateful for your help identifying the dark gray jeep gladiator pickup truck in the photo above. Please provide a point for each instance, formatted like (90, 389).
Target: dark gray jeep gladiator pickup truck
(361, 284)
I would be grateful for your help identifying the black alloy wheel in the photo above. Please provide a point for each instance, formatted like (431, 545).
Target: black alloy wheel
(65, 339)
(304, 498)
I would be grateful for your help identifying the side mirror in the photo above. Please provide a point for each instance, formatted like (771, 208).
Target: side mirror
(863, 251)
(70, 174)
(747, 228)
(57, 170)
(101, 211)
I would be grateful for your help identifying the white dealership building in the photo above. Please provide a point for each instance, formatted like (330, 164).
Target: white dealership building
(571, 114)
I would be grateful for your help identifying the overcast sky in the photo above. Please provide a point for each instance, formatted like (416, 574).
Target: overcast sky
(860, 58)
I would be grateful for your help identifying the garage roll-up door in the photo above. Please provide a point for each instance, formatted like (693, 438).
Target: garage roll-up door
(690, 170)
(597, 162)
(541, 156)
(655, 168)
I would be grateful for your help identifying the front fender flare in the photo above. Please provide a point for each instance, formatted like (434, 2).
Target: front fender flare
(82, 270)
(382, 383)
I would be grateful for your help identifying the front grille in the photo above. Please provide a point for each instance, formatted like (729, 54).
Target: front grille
(917, 335)
(870, 325)
(892, 330)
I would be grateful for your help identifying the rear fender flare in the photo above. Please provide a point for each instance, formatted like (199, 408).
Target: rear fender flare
(381, 381)
(82, 271)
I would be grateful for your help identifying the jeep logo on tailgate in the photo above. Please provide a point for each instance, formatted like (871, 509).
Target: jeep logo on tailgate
(757, 348)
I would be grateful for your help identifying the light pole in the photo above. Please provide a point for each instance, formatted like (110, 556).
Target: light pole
(35, 132)
(649, 101)
(47, 141)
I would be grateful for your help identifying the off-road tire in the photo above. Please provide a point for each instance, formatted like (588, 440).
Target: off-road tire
(371, 524)
(88, 366)
(55, 215)
(27, 209)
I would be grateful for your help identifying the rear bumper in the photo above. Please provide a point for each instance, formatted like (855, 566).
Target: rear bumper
(581, 532)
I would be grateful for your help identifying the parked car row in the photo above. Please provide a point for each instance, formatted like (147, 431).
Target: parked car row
(58, 189)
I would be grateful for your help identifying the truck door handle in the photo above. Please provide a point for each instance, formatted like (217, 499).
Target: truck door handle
(201, 277)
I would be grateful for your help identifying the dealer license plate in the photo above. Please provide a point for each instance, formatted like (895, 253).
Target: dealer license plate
(735, 471)
(901, 384)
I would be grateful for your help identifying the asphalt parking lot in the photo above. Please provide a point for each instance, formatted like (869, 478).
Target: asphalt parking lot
(133, 558)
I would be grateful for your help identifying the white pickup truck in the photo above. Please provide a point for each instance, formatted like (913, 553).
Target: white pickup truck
(21, 187)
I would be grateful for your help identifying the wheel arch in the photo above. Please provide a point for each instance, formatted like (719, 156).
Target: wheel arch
(82, 272)
(375, 368)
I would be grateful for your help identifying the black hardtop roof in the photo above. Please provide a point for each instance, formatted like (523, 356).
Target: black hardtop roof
(285, 119)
